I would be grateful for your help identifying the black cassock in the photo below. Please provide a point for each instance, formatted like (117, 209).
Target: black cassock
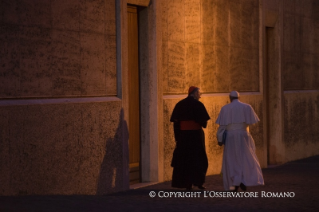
(189, 158)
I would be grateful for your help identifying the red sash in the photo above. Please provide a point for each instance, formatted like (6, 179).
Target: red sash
(189, 125)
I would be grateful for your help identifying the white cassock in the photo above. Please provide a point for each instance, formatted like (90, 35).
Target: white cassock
(240, 163)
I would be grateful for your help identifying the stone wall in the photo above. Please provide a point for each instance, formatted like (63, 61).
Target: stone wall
(301, 41)
(71, 148)
(52, 143)
(56, 48)
(62, 127)
(211, 44)
(301, 78)
(301, 124)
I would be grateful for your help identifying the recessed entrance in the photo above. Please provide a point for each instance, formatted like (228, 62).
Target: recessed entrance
(134, 97)
(273, 98)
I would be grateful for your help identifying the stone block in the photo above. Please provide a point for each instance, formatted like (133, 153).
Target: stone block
(49, 46)
(51, 144)
(306, 8)
(222, 78)
(247, 6)
(66, 52)
(93, 64)
(235, 24)
(297, 33)
(301, 110)
(35, 78)
(176, 68)
(255, 29)
(35, 61)
(66, 63)
(315, 10)
(9, 12)
(247, 32)
(249, 27)
(66, 15)
(35, 42)
(9, 61)
(10, 80)
(164, 20)
(110, 66)
(298, 7)
(193, 64)
(308, 70)
(165, 66)
(271, 18)
(292, 73)
(272, 4)
(289, 6)
(208, 83)
(110, 18)
(208, 22)
(315, 74)
(307, 35)
(289, 32)
(221, 23)
(244, 69)
(192, 21)
(176, 20)
(316, 36)
(250, 3)
(35, 13)
(92, 16)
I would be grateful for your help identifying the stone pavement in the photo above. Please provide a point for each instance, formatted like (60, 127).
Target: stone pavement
(297, 178)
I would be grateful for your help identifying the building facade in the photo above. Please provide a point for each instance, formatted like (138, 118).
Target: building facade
(87, 87)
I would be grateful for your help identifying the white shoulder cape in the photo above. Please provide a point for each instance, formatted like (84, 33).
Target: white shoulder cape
(237, 112)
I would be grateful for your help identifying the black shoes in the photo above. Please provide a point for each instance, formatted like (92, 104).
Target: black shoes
(242, 186)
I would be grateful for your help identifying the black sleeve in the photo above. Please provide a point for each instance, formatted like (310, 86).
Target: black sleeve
(201, 116)
(175, 116)
(177, 131)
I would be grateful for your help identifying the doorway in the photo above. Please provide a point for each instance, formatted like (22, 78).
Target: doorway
(273, 99)
(134, 95)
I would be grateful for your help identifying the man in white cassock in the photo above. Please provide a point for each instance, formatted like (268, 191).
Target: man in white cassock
(240, 166)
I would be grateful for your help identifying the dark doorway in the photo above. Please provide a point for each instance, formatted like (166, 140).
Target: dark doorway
(134, 97)
(272, 89)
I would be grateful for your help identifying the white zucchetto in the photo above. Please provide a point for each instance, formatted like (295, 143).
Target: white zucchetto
(234, 94)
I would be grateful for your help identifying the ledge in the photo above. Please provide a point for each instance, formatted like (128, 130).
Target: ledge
(12, 102)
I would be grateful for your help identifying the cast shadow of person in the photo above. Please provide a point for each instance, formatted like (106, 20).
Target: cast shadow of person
(114, 171)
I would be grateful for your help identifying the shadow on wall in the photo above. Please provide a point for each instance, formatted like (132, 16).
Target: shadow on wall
(114, 171)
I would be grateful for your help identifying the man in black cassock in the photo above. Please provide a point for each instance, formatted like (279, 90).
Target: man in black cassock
(189, 158)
